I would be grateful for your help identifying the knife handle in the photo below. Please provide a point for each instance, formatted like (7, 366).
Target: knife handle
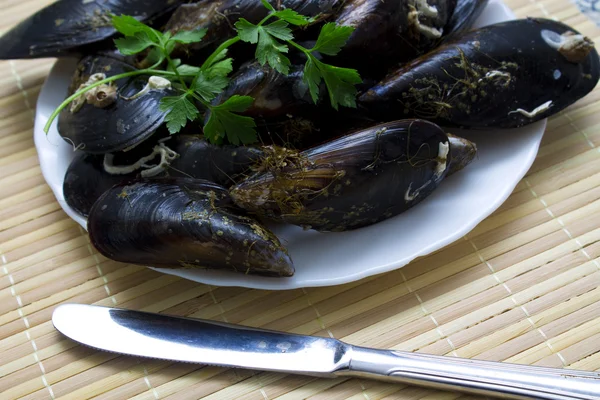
(475, 376)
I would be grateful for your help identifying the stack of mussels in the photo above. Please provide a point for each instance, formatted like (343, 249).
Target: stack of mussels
(177, 201)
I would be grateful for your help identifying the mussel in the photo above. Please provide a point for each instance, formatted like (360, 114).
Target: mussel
(223, 165)
(390, 32)
(501, 76)
(66, 25)
(115, 116)
(353, 181)
(90, 175)
(274, 94)
(465, 14)
(219, 16)
(183, 223)
(283, 108)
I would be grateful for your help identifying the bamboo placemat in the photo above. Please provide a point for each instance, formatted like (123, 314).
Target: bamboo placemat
(522, 287)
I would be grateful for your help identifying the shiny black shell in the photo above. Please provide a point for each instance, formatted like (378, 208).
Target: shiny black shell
(120, 125)
(465, 14)
(482, 79)
(388, 32)
(66, 25)
(85, 181)
(224, 165)
(352, 181)
(183, 223)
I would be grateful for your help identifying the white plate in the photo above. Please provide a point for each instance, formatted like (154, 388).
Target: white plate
(321, 259)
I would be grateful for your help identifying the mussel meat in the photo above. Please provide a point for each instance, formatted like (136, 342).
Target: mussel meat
(501, 76)
(66, 25)
(183, 223)
(115, 116)
(352, 181)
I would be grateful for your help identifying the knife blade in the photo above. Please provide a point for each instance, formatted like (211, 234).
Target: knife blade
(209, 342)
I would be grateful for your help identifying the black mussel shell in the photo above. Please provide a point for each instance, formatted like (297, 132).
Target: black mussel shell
(274, 94)
(502, 76)
(183, 223)
(86, 180)
(390, 32)
(464, 16)
(90, 175)
(352, 181)
(66, 25)
(116, 116)
(219, 17)
(224, 165)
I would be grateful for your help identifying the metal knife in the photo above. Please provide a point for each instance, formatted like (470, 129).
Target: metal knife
(208, 342)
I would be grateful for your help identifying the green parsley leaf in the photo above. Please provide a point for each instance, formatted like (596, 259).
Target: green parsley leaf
(155, 55)
(188, 70)
(223, 122)
(219, 57)
(332, 38)
(179, 110)
(339, 81)
(221, 68)
(208, 88)
(271, 51)
(291, 16)
(131, 45)
(176, 63)
(129, 26)
(247, 31)
(267, 5)
(312, 77)
(187, 37)
(279, 29)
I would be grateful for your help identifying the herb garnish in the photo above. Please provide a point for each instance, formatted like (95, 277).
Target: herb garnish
(198, 86)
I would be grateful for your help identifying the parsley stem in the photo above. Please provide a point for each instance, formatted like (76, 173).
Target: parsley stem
(301, 48)
(174, 68)
(208, 62)
(201, 100)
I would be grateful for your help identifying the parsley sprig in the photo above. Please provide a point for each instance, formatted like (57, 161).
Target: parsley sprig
(197, 87)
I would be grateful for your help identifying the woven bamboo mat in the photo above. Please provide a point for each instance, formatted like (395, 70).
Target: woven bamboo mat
(522, 287)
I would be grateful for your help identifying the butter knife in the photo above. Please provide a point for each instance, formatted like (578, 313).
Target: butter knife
(208, 342)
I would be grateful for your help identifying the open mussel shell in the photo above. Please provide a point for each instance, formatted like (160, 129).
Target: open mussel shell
(66, 25)
(352, 181)
(501, 76)
(113, 116)
(183, 223)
